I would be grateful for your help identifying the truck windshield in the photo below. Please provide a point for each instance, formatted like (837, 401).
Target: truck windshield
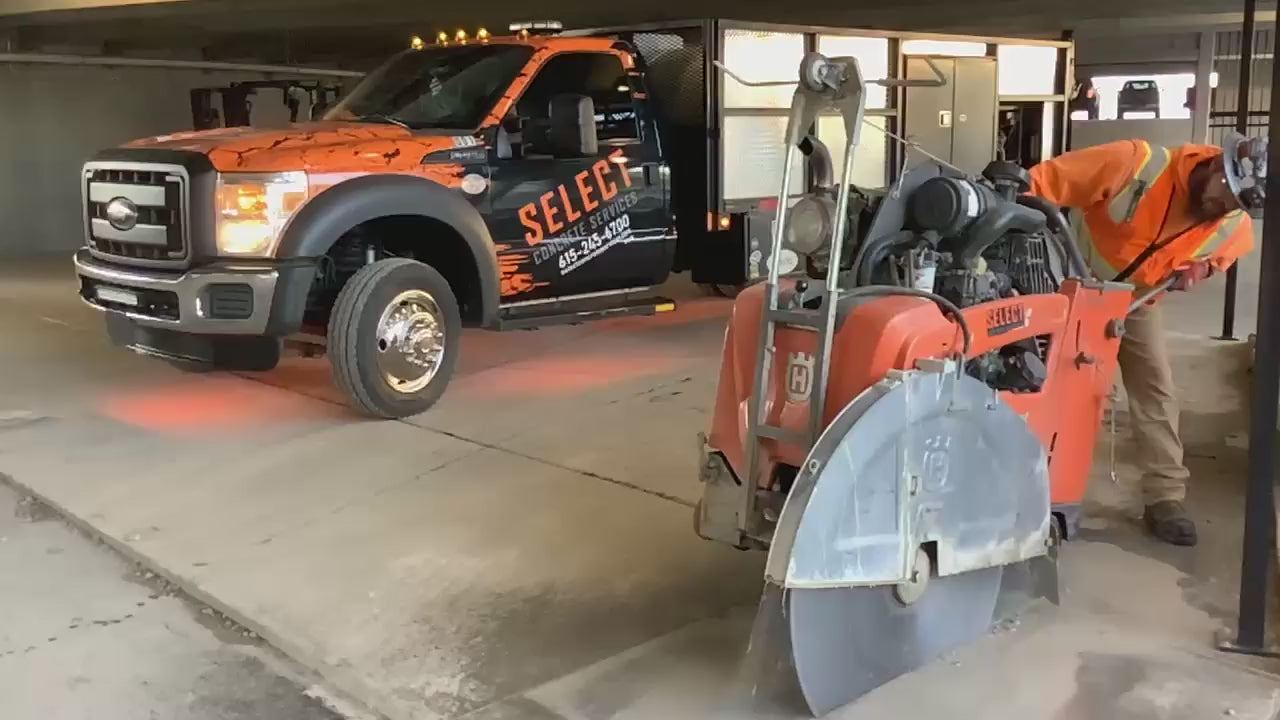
(443, 87)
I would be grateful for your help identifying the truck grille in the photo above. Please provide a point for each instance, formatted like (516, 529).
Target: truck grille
(150, 203)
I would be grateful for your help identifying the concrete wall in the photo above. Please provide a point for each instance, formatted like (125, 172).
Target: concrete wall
(52, 118)
(1140, 53)
(1148, 51)
(1169, 133)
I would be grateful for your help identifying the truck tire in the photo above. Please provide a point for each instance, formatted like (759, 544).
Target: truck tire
(393, 338)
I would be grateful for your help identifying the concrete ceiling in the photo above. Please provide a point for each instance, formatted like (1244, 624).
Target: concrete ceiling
(355, 32)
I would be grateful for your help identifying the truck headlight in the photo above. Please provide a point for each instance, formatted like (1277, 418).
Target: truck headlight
(253, 209)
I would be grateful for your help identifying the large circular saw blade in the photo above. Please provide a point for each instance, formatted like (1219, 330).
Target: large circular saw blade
(920, 519)
(845, 642)
(817, 649)
(814, 650)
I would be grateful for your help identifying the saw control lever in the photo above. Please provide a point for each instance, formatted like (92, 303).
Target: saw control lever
(1146, 297)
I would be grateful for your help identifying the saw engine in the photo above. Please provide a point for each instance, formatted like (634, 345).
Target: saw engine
(974, 242)
(906, 423)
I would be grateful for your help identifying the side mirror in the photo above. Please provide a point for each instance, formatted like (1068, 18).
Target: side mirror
(572, 131)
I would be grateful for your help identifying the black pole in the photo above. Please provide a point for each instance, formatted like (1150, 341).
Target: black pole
(1245, 80)
(1259, 504)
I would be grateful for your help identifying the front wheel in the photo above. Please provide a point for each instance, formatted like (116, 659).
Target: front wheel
(393, 338)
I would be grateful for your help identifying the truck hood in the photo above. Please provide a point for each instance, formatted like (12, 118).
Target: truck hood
(318, 147)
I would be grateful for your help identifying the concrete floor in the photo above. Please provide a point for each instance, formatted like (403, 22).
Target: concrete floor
(84, 634)
(525, 549)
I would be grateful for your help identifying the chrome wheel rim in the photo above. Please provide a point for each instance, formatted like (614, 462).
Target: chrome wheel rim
(410, 341)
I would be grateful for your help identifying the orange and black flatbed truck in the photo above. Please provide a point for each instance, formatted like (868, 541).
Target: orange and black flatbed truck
(498, 182)
(473, 181)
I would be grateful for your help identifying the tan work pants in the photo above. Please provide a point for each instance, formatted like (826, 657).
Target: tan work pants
(1153, 406)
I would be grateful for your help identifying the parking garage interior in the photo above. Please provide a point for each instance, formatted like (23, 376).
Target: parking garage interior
(525, 548)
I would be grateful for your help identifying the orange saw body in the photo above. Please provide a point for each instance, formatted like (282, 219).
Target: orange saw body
(894, 333)
(907, 421)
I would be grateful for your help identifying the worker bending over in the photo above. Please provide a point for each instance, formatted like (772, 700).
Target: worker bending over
(1142, 214)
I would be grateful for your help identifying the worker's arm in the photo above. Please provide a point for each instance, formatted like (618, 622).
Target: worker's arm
(1237, 246)
(1082, 178)
(1240, 242)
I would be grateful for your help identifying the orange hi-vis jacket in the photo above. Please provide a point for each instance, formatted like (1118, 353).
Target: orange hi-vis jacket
(1131, 210)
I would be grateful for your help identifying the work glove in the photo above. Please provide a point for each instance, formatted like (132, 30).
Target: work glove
(1189, 275)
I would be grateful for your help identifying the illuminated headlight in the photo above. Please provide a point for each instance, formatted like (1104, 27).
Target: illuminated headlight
(253, 209)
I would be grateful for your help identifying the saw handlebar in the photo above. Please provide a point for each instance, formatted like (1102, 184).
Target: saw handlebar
(1146, 297)
(938, 80)
(823, 73)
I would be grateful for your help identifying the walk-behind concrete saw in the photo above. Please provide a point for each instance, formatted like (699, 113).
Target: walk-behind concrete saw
(906, 417)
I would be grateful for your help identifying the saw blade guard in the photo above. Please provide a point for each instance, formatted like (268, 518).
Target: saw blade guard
(927, 459)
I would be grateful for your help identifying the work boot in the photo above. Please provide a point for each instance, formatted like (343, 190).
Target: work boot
(1168, 521)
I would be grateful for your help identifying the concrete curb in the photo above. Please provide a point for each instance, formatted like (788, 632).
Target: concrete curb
(346, 690)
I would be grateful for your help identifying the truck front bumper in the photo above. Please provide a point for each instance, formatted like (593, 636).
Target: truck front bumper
(224, 299)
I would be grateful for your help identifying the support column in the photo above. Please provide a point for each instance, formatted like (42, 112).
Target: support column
(1259, 505)
(1242, 126)
(1204, 72)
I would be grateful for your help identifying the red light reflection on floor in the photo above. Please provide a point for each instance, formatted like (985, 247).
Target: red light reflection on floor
(552, 362)
(209, 404)
(564, 375)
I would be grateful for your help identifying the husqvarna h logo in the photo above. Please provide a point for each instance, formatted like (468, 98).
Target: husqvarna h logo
(799, 377)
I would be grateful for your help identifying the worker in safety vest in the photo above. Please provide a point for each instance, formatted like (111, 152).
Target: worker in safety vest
(1143, 214)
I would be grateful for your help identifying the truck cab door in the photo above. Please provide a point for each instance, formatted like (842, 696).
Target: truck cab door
(581, 223)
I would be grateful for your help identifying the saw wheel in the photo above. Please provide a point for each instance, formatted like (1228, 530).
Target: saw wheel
(908, 592)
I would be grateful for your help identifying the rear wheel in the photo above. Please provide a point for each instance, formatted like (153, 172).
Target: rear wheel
(393, 338)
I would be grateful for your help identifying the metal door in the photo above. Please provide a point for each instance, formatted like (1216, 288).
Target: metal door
(930, 110)
(973, 141)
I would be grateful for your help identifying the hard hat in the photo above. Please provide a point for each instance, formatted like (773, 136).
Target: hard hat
(1245, 162)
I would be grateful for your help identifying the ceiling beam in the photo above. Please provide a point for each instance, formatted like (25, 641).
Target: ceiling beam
(1191, 22)
(24, 7)
(286, 30)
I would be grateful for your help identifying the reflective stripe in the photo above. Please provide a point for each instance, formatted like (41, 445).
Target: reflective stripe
(1153, 164)
(1226, 228)
(1084, 238)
